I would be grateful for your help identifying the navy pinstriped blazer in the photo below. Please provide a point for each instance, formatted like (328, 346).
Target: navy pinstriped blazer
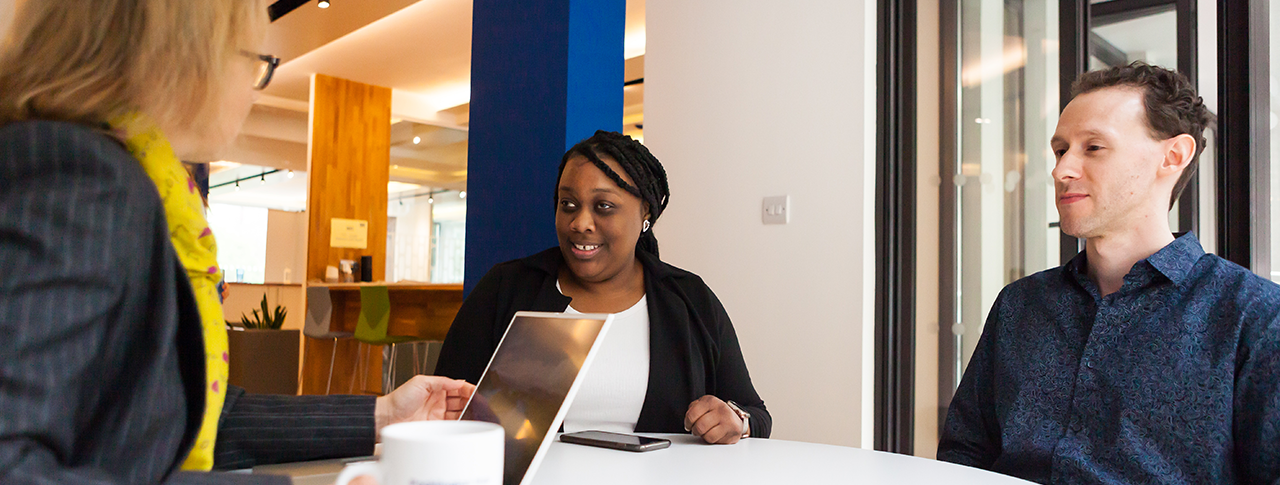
(101, 354)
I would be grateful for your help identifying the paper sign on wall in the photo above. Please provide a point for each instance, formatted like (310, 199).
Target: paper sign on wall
(348, 233)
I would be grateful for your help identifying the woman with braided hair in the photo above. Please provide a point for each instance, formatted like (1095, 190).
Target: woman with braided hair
(671, 361)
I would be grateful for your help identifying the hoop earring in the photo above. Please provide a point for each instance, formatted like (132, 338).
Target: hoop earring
(645, 227)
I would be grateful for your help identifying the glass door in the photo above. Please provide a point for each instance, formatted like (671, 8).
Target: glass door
(990, 198)
(1164, 34)
(986, 212)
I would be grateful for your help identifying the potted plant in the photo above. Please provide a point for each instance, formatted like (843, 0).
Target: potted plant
(265, 321)
(264, 358)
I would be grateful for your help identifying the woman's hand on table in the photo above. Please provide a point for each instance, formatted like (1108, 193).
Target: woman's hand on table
(711, 419)
(423, 398)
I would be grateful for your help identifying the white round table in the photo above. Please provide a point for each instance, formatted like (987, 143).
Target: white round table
(688, 460)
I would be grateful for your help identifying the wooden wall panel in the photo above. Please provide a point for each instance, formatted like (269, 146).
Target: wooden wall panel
(349, 169)
(350, 151)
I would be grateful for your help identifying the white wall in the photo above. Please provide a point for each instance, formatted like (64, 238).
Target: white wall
(241, 233)
(412, 258)
(286, 247)
(753, 98)
(928, 232)
(1207, 88)
(6, 16)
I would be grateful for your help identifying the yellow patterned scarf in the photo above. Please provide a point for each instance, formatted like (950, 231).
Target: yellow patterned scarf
(193, 240)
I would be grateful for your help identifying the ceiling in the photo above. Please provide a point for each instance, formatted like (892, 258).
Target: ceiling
(256, 188)
(421, 49)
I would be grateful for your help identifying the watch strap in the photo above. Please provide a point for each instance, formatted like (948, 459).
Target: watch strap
(742, 414)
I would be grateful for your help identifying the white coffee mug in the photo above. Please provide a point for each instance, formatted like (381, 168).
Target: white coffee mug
(435, 453)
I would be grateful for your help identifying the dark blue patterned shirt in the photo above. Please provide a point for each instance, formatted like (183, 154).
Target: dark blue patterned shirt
(1175, 378)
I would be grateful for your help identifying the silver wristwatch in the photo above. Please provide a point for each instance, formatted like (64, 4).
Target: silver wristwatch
(746, 417)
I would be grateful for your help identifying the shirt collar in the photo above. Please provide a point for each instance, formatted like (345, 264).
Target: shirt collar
(1175, 261)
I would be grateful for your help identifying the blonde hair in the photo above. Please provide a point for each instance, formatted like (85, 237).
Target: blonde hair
(88, 62)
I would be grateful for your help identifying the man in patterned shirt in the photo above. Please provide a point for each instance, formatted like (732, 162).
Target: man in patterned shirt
(1143, 359)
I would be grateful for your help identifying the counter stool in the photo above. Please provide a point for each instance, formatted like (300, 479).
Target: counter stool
(319, 317)
(372, 326)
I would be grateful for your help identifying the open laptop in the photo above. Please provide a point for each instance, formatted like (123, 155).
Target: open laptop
(527, 389)
(531, 380)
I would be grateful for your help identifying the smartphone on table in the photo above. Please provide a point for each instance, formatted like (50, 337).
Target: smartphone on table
(617, 441)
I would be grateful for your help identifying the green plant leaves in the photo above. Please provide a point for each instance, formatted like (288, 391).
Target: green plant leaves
(267, 319)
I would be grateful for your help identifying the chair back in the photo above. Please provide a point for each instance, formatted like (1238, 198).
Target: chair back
(320, 314)
(375, 314)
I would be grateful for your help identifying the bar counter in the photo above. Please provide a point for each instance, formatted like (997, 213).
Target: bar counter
(420, 310)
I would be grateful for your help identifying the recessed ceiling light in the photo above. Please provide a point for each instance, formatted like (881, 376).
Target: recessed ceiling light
(462, 195)
(291, 174)
(394, 187)
(221, 165)
(417, 140)
(324, 3)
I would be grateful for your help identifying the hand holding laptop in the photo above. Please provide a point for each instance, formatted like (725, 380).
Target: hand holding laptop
(526, 390)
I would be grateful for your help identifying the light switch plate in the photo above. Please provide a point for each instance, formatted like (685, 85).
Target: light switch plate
(776, 210)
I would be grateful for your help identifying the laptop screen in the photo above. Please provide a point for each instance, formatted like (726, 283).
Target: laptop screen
(531, 380)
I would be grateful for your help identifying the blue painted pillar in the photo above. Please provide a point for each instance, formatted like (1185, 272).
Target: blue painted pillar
(545, 74)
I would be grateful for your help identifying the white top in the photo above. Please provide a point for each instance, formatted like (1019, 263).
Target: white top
(612, 392)
(750, 461)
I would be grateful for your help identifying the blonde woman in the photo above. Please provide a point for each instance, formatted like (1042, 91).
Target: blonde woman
(114, 368)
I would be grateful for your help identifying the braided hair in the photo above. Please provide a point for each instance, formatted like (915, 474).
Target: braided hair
(649, 176)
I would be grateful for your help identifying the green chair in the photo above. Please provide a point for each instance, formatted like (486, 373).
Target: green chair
(372, 326)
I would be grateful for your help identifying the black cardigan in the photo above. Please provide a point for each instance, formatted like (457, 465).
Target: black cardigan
(693, 350)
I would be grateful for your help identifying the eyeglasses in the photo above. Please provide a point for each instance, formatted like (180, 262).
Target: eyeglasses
(267, 65)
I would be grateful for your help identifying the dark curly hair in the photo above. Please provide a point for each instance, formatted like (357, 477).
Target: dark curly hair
(643, 168)
(1172, 106)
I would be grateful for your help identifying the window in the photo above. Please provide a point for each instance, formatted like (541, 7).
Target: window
(241, 234)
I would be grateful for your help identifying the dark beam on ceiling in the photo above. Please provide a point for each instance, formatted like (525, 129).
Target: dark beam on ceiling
(1105, 51)
(1116, 11)
(282, 7)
